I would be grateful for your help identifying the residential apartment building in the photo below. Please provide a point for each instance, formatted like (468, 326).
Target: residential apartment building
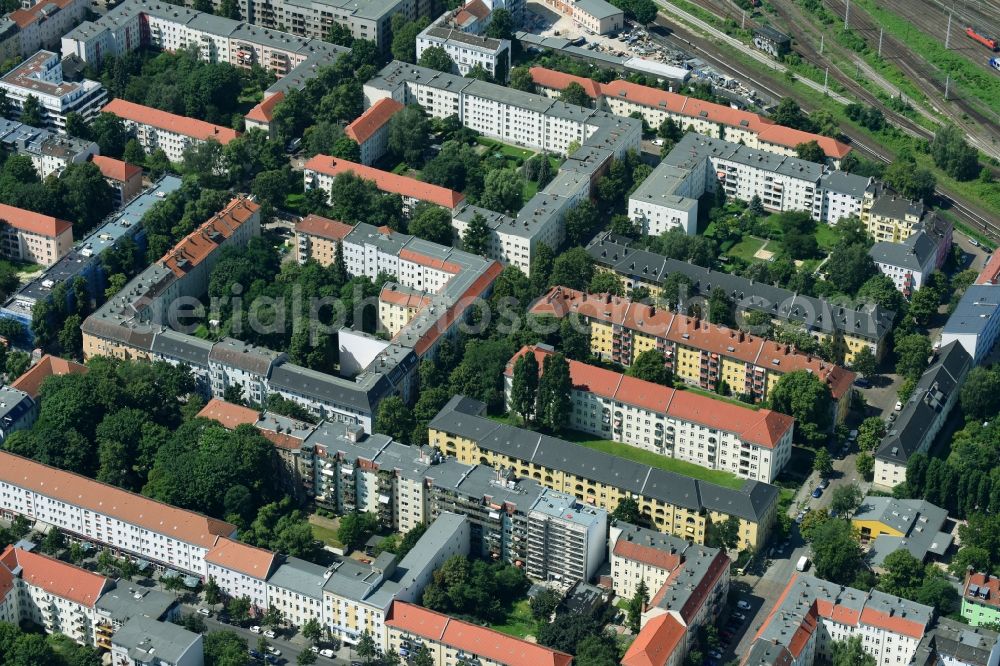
(146, 641)
(41, 77)
(48, 366)
(565, 539)
(889, 216)
(124, 178)
(623, 98)
(865, 326)
(84, 260)
(975, 322)
(370, 130)
(923, 415)
(40, 26)
(696, 351)
(981, 598)
(321, 170)
(159, 130)
(296, 589)
(887, 524)
(753, 444)
(317, 238)
(688, 585)
(668, 197)
(991, 271)
(452, 642)
(241, 570)
(49, 593)
(843, 196)
(120, 604)
(466, 50)
(18, 411)
(957, 644)
(909, 263)
(673, 503)
(50, 153)
(33, 237)
(811, 614)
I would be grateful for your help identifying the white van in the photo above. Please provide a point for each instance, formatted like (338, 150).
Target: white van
(803, 564)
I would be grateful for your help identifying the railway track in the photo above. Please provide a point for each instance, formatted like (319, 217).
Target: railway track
(705, 48)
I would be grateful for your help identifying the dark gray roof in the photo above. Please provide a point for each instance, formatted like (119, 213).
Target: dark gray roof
(245, 356)
(767, 653)
(912, 254)
(929, 397)
(184, 348)
(868, 321)
(462, 416)
(299, 576)
(772, 34)
(895, 206)
(975, 311)
(325, 388)
(961, 643)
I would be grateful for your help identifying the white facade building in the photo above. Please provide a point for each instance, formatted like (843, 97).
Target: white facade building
(565, 539)
(908, 263)
(668, 198)
(158, 130)
(467, 50)
(41, 77)
(241, 570)
(843, 196)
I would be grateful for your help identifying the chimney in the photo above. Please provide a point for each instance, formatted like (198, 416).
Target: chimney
(652, 310)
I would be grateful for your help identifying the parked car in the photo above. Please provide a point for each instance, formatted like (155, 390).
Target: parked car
(824, 484)
(726, 635)
(205, 612)
(817, 492)
(269, 634)
(273, 650)
(742, 604)
(853, 435)
(271, 659)
(327, 652)
(738, 616)
(715, 654)
(899, 406)
(255, 629)
(861, 382)
(255, 654)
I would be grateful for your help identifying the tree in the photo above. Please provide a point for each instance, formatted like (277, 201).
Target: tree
(225, 648)
(503, 191)
(70, 337)
(912, 352)
(636, 605)
(720, 308)
(524, 386)
(85, 196)
(423, 657)
(355, 528)
(628, 511)
(811, 152)
(846, 499)
(339, 34)
(882, 290)
(980, 394)
(580, 222)
(476, 238)
(33, 113)
(544, 604)
(849, 267)
(606, 282)
(924, 305)
(431, 223)
(554, 386)
(213, 594)
(974, 557)
(910, 180)
(790, 114)
(865, 462)
(574, 268)
(404, 37)
(408, 135)
(851, 653)
(54, 541)
(953, 155)
(870, 433)
(725, 533)
(575, 94)
(501, 25)
(312, 630)
(307, 657)
(650, 365)
(520, 79)
(813, 520)
(395, 419)
(435, 57)
(823, 463)
(864, 362)
(836, 552)
(237, 607)
(805, 397)
(902, 574)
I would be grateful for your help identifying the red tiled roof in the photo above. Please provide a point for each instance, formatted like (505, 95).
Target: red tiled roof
(57, 578)
(404, 299)
(991, 271)
(803, 633)
(471, 638)
(187, 526)
(116, 169)
(894, 623)
(429, 261)
(369, 122)
(386, 181)
(229, 415)
(720, 564)
(555, 80)
(264, 111)
(200, 243)
(25, 17)
(147, 115)
(453, 313)
(31, 381)
(34, 223)
(238, 556)
(983, 580)
(314, 225)
(766, 129)
(762, 427)
(6, 583)
(655, 644)
(655, 557)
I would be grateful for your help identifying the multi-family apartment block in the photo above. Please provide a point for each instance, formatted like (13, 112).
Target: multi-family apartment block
(811, 614)
(463, 41)
(565, 538)
(863, 326)
(909, 263)
(146, 641)
(452, 642)
(981, 598)
(991, 271)
(975, 322)
(50, 153)
(523, 119)
(49, 593)
(753, 444)
(18, 411)
(38, 26)
(124, 178)
(321, 170)
(687, 584)
(370, 130)
(843, 196)
(673, 503)
(889, 216)
(923, 415)
(241, 570)
(957, 644)
(696, 351)
(41, 77)
(159, 130)
(668, 197)
(623, 98)
(84, 260)
(33, 237)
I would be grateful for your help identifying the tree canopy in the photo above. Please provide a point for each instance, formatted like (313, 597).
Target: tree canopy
(807, 398)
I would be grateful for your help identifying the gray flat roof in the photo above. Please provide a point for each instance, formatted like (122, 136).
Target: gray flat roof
(919, 522)
(975, 310)
(599, 9)
(143, 637)
(846, 183)
(127, 601)
(299, 576)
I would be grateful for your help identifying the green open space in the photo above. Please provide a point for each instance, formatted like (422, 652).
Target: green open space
(519, 621)
(746, 248)
(324, 530)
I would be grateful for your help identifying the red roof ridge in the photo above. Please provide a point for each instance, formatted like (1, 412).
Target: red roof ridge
(55, 577)
(386, 180)
(191, 127)
(315, 225)
(369, 122)
(656, 642)
(242, 557)
(31, 381)
(32, 222)
(263, 112)
(115, 169)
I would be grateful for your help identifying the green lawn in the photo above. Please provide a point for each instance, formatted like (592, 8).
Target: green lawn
(826, 236)
(325, 534)
(715, 396)
(654, 459)
(505, 149)
(746, 248)
(519, 622)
